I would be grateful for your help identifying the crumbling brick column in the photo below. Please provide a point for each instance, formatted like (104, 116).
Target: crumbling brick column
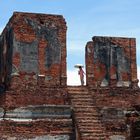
(89, 63)
(36, 44)
(111, 61)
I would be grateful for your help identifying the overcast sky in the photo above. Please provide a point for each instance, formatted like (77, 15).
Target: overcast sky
(85, 19)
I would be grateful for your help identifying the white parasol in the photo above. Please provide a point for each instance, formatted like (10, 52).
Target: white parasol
(78, 65)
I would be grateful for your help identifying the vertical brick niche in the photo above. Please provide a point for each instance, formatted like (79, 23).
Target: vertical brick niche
(34, 46)
(111, 61)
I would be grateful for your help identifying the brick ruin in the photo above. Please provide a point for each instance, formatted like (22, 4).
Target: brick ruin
(33, 78)
(111, 61)
(35, 101)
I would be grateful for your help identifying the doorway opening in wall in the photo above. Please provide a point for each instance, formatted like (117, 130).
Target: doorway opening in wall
(75, 55)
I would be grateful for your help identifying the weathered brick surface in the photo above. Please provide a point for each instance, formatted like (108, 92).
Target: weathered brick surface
(117, 107)
(110, 67)
(111, 61)
(33, 73)
(36, 96)
(35, 128)
(116, 97)
(106, 113)
(37, 104)
(36, 44)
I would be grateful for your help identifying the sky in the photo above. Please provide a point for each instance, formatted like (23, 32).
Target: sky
(85, 19)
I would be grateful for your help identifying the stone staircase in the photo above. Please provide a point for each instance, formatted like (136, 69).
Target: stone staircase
(87, 119)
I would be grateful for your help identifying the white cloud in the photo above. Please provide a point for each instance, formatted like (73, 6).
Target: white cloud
(73, 77)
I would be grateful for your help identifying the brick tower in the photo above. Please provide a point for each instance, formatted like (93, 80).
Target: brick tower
(111, 61)
(34, 46)
(34, 103)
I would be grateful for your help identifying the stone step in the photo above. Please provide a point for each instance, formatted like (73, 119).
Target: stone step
(88, 130)
(84, 96)
(88, 121)
(95, 114)
(100, 135)
(94, 138)
(87, 124)
(88, 110)
(83, 106)
(82, 103)
(85, 127)
(103, 138)
(75, 93)
(85, 109)
(88, 101)
(91, 113)
(87, 106)
(87, 117)
(80, 114)
(87, 114)
(77, 88)
(78, 91)
(82, 99)
(93, 126)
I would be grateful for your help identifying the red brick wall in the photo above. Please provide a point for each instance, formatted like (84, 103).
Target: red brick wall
(117, 107)
(32, 95)
(38, 43)
(33, 70)
(111, 61)
(34, 129)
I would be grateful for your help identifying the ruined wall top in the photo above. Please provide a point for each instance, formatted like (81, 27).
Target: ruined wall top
(111, 61)
(41, 18)
(35, 44)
